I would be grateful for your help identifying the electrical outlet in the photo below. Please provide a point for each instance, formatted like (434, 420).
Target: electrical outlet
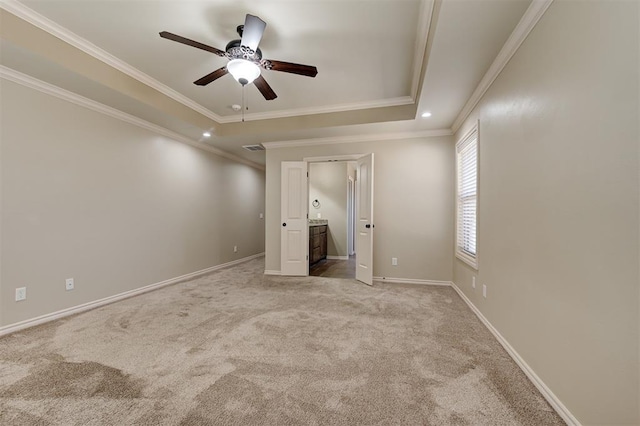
(484, 291)
(394, 261)
(21, 293)
(68, 285)
(261, 216)
(235, 249)
(473, 282)
(319, 215)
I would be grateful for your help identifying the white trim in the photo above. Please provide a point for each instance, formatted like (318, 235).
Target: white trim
(521, 31)
(425, 16)
(49, 89)
(358, 138)
(12, 328)
(464, 257)
(551, 398)
(272, 272)
(31, 16)
(327, 109)
(337, 257)
(27, 14)
(411, 281)
(346, 157)
(471, 135)
(467, 137)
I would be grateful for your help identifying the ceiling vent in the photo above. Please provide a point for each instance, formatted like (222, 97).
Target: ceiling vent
(257, 147)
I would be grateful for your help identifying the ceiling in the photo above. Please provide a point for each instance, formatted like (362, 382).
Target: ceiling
(381, 63)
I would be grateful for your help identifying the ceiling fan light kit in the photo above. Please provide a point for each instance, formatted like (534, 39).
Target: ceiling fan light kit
(245, 58)
(243, 71)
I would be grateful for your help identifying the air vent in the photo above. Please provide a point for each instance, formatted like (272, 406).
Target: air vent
(258, 147)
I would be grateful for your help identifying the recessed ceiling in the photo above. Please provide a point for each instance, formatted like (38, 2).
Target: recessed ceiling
(357, 62)
(383, 61)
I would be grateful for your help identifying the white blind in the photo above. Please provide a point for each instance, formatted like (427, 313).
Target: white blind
(467, 158)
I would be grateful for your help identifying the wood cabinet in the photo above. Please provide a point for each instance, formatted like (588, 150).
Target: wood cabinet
(317, 243)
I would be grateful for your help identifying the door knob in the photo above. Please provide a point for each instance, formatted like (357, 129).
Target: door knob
(284, 224)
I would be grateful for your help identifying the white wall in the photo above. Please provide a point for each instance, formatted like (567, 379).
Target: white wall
(110, 204)
(559, 207)
(328, 183)
(413, 204)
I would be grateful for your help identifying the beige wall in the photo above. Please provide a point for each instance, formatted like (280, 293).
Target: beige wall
(328, 183)
(558, 207)
(112, 205)
(413, 204)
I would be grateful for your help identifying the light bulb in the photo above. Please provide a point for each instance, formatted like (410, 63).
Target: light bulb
(243, 71)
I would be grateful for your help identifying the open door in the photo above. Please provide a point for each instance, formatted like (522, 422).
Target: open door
(364, 222)
(294, 231)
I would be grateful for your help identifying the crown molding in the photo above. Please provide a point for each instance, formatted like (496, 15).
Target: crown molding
(536, 9)
(424, 26)
(405, 100)
(358, 138)
(49, 89)
(45, 24)
(31, 16)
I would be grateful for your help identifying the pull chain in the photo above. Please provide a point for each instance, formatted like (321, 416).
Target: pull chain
(243, 86)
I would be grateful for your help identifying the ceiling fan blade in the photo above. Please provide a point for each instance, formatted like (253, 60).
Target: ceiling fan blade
(306, 70)
(189, 42)
(211, 77)
(252, 32)
(264, 88)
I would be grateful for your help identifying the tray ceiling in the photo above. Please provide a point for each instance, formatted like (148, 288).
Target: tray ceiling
(380, 62)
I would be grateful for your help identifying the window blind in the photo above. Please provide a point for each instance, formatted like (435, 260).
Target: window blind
(467, 196)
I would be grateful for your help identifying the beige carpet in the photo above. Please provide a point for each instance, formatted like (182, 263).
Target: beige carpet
(235, 347)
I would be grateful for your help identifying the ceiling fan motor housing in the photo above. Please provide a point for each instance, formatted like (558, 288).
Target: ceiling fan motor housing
(235, 50)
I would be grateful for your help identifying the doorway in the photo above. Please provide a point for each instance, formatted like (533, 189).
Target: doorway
(296, 219)
(331, 218)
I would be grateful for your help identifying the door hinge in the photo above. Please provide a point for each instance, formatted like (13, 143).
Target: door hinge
(307, 257)
(307, 215)
(307, 174)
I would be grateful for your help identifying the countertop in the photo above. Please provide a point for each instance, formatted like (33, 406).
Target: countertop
(318, 222)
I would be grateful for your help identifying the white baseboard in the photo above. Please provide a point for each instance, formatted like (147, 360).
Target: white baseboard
(411, 281)
(337, 257)
(537, 381)
(12, 328)
(271, 272)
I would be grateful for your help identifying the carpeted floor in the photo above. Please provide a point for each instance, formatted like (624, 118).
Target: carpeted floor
(236, 347)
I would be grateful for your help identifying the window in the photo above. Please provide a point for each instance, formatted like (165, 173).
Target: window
(467, 197)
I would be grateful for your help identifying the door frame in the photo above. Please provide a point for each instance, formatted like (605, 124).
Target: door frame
(351, 217)
(329, 158)
(345, 157)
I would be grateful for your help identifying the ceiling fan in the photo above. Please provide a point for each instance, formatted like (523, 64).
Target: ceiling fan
(245, 58)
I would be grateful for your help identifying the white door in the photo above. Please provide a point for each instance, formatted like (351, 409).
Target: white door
(364, 222)
(293, 217)
(351, 216)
